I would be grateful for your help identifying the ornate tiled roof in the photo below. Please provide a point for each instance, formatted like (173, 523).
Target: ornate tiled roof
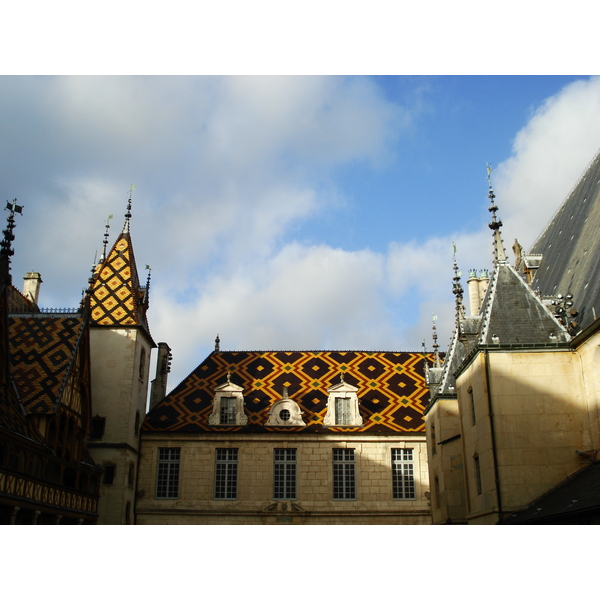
(391, 390)
(116, 297)
(42, 349)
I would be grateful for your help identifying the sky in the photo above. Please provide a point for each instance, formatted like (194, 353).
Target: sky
(287, 212)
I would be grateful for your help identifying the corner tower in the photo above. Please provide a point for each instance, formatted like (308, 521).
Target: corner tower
(120, 356)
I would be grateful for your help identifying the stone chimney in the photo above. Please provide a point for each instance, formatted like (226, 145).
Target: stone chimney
(477, 288)
(31, 286)
(163, 365)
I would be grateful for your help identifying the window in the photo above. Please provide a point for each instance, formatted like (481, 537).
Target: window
(227, 411)
(228, 405)
(142, 364)
(433, 442)
(167, 476)
(131, 475)
(344, 477)
(285, 413)
(342, 411)
(98, 425)
(284, 487)
(109, 474)
(136, 425)
(226, 468)
(472, 400)
(403, 477)
(477, 474)
(342, 406)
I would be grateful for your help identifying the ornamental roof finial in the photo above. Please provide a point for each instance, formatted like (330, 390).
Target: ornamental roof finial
(457, 290)
(436, 347)
(495, 224)
(6, 250)
(128, 213)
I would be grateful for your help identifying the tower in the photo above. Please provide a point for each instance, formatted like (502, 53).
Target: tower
(120, 344)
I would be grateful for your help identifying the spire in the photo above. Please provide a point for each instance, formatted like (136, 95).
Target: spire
(217, 343)
(499, 252)
(436, 347)
(105, 242)
(128, 213)
(457, 290)
(6, 250)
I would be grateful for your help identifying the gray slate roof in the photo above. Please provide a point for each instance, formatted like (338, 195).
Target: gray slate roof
(570, 246)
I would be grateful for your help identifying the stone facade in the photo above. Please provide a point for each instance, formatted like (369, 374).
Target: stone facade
(255, 503)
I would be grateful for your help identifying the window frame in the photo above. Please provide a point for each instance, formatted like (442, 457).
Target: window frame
(226, 473)
(168, 469)
(344, 473)
(285, 468)
(404, 486)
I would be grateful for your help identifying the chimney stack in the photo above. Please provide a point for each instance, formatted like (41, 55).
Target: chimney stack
(31, 286)
(163, 367)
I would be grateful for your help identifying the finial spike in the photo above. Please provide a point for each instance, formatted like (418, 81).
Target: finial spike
(495, 224)
(217, 343)
(128, 213)
(6, 245)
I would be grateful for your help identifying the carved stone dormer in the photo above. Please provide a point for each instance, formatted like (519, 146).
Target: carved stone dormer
(342, 406)
(285, 413)
(228, 405)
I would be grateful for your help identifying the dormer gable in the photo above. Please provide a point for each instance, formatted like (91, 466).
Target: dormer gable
(228, 405)
(285, 413)
(342, 406)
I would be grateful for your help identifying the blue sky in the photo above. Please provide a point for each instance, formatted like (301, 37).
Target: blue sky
(288, 212)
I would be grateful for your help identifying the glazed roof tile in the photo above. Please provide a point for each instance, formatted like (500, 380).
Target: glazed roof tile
(42, 349)
(391, 390)
(116, 297)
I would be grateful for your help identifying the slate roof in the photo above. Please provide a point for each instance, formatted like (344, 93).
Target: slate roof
(391, 391)
(513, 314)
(576, 495)
(570, 246)
(42, 349)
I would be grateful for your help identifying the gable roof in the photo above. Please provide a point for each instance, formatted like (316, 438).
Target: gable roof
(513, 314)
(42, 349)
(391, 390)
(570, 248)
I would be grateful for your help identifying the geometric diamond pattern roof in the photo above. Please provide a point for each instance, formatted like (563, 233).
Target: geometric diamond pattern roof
(116, 297)
(41, 351)
(391, 391)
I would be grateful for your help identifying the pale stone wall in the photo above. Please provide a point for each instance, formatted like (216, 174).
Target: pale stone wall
(313, 504)
(589, 353)
(446, 463)
(118, 393)
(540, 420)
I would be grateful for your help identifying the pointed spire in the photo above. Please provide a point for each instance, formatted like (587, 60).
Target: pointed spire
(6, 250)
(457, 290)
(128, 213)
(436, 347)
(499, 252)
(105, 242)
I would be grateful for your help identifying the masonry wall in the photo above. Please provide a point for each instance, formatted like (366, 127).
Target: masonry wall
(540, 419)
(446, 463)
(119, 378)
(314, 503)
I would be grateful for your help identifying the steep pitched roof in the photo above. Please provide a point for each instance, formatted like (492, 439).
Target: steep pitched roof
(570, 248)
(513, 314)
(42, 349)
(577, 495)
(392, 391)
(116, 297)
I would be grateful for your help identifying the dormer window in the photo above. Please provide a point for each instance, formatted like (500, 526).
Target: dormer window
(342, 406)
(285, 413)
(228, 405)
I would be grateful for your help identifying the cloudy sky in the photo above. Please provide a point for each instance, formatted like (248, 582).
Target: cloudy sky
(287, 212)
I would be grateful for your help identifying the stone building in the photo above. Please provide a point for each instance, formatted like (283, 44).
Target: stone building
(513, 426)
(289, 437)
